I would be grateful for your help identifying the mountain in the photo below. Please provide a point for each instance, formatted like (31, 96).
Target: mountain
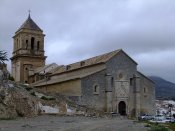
(164, 88)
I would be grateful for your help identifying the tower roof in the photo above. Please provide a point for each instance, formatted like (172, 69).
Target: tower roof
(30, 24)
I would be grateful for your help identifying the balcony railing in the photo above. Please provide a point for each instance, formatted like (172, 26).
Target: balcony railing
(28, 52)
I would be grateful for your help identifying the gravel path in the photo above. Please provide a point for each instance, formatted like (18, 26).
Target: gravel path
(70, 123)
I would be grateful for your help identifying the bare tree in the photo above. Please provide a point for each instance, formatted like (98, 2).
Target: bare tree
(3, 56)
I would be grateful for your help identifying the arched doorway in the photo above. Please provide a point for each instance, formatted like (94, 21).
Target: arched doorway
(122, 108)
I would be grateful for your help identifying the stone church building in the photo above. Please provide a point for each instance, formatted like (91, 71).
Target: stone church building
(108, 82)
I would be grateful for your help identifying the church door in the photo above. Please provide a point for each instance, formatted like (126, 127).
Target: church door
(122, 108)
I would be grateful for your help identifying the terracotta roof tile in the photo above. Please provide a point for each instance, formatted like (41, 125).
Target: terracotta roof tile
(88, 62)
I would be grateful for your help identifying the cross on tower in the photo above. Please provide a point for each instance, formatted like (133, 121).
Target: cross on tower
(29, 12)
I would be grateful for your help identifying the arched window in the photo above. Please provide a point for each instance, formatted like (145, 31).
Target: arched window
(26, 44)
(17, 44)
(38, 44)
(32, 42)
(112, 82)
(82, 63)
(96, 89)
(131, 81)
(144, 90)
(68, 67)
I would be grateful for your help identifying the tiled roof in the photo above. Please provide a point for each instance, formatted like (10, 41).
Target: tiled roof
(68, 77)
(88, 62)
(29, 24)
(139, 73)
(45, 69)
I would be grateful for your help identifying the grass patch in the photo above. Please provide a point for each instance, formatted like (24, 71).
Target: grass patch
(7, 118)
(171, 126)
(28, 88)
(159, 128)
(47, 98)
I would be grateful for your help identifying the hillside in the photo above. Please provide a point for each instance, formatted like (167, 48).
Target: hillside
(164, 88)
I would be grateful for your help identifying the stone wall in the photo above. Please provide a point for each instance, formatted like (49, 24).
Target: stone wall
(20, 67)
(80, 72)
(90, 98)
(68, 88)
(147, 96)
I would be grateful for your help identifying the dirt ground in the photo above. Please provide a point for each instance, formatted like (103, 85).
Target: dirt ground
(70, 123)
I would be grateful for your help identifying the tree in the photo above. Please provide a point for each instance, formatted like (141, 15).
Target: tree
(3, 56)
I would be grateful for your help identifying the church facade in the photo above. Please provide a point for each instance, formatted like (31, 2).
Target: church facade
(108, 82)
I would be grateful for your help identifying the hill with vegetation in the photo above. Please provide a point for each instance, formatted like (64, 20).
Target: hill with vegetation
(164, 89)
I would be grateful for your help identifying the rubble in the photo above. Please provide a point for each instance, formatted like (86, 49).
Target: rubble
(21, 100)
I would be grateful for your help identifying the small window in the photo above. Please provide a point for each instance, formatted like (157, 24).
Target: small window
(32, 42)
(131, 81)
(112, 82)
(120, 76)
(144, 90)
(17, 43)
(25, 81)
(26, 68)
(82, 63)
(26, 44)
(68, 67)
(38, 44)
(96, 89)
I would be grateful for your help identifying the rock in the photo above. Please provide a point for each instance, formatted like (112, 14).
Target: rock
(10, 85)
(24, 101)
(1, 76)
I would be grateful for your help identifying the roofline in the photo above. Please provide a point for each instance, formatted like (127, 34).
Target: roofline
(102, 62)
(29, 19)
(78, 77)
(72, 70)
(19, 30)
(56, 82)
(129, 57)
(146, 77)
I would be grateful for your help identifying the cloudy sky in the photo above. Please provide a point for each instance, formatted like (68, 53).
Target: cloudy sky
(79, 29)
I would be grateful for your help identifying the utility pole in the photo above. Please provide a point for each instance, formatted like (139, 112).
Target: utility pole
(170, 108)
(45, 75)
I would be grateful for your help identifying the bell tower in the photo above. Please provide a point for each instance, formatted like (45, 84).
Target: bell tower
(28, 50)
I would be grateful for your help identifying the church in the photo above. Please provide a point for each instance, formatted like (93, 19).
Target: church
(108, 82)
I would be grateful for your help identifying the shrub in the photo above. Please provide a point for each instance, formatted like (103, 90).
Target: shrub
(7, 118)
(11, 78)
(28, 88)
(3, 56)
(33, 93)
(158, 128)
(47, 98)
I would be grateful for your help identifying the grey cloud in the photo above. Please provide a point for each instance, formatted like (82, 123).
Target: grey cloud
(80, 29)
